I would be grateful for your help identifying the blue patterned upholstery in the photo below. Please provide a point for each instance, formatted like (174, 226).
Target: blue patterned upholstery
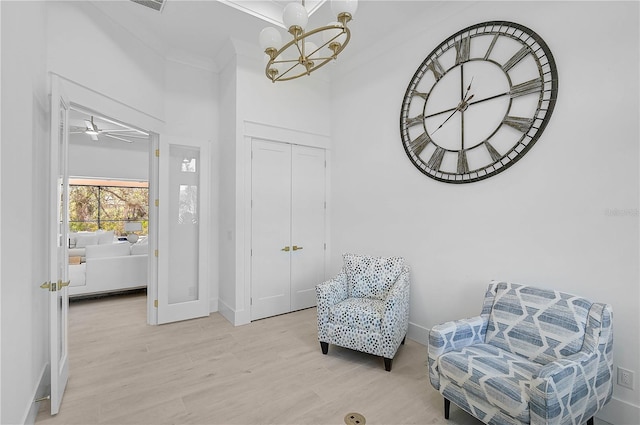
(366, 306)
(533, 356)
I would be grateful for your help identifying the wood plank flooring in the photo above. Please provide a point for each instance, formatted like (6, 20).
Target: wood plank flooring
(206, 371)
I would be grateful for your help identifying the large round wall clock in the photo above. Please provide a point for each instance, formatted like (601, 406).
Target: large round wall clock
(478, 102)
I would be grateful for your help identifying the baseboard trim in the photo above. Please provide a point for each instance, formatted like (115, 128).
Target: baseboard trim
(418, 333)
(236, 317)
(41, 390)
(620, 412)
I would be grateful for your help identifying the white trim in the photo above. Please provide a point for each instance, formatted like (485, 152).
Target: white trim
(619, 412)
(41, 390)
(419, 334)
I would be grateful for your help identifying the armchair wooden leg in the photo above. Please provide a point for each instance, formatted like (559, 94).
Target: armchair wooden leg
(405, 337)
(387, 364)
(324, 346)
(447, 404)
(590, 421)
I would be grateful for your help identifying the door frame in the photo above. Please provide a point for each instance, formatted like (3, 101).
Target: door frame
(87, 100)
(256, 130)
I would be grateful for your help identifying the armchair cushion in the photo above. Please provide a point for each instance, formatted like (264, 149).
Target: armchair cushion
(487, 372)
(371, 277)
(361, 313)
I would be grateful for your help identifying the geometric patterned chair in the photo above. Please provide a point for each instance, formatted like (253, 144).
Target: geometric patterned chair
(366, 306)
(533, 356)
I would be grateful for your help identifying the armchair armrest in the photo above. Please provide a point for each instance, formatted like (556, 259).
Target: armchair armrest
(585, 378)
(453, 335)
(395, 319)
(329, 293)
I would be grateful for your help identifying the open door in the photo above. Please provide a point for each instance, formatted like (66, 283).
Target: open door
(183, 221)
(58, 245)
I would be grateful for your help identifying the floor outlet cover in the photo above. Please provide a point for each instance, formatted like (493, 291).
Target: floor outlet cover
(354, 419)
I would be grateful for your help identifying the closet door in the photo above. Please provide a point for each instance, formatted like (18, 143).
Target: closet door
(270, 229)
(307, 224)
(287, 227)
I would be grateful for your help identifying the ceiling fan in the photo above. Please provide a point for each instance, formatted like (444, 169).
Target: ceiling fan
(122, 134)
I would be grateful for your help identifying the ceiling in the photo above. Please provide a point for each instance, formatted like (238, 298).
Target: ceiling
(133, 139)
(200, 28)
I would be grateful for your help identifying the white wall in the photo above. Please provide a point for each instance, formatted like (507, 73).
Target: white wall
(24, 195)
(108, 158)
(547, 220)
(122, 68)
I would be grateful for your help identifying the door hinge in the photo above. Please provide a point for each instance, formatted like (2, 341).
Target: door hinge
(155, 303)
(157, 152)
(157, 202)
(155, 253)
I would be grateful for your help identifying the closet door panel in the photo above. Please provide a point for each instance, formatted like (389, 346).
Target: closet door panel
(270, 229)
(307, 224)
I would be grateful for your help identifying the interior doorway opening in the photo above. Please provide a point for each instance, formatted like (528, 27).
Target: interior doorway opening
(109, 223)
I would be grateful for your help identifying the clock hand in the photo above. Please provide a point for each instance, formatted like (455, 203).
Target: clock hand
(461, 107)
(488, 98)
(445, 121)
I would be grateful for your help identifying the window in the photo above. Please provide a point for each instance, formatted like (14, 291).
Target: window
(107, 205)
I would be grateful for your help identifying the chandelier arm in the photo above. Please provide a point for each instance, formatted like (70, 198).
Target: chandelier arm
(303, 60)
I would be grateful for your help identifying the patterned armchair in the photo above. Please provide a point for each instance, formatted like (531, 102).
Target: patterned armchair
(533, 356)
(366, 306)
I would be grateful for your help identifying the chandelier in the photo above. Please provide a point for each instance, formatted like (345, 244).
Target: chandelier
(301, 56)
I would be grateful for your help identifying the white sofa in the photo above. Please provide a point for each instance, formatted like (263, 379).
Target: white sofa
(109, 267)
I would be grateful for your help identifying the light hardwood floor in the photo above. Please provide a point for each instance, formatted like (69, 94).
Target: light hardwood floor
(206, 371)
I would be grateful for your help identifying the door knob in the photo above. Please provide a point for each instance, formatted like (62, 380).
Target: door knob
(286, 249)
(296, 247)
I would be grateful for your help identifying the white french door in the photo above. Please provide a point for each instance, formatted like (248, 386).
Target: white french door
(183, 221)
(58, 247)
(287, 227)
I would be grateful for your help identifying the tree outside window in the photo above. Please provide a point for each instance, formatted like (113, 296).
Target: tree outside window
(107, 206)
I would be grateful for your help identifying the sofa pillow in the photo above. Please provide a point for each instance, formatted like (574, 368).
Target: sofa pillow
(111, 250)
(105, 237)
(84, 239)
(371, 277)
(140, 248)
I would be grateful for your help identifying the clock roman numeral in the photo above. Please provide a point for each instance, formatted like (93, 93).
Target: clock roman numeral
(463, 164)
(419, 94)
(493, 43)
(417, 146)
(495, 155)
(436, 68)
(415, 120)
(531, 86)
(516, 58)
(462, 50)
(519, 123)
(436, 159)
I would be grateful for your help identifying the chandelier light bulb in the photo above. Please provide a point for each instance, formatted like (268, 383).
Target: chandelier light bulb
(270, 38)
(310, 49)
(330, 35)
(344, 6)
(295, 15)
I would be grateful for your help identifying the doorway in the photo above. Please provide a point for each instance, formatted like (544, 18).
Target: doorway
(108, 166)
